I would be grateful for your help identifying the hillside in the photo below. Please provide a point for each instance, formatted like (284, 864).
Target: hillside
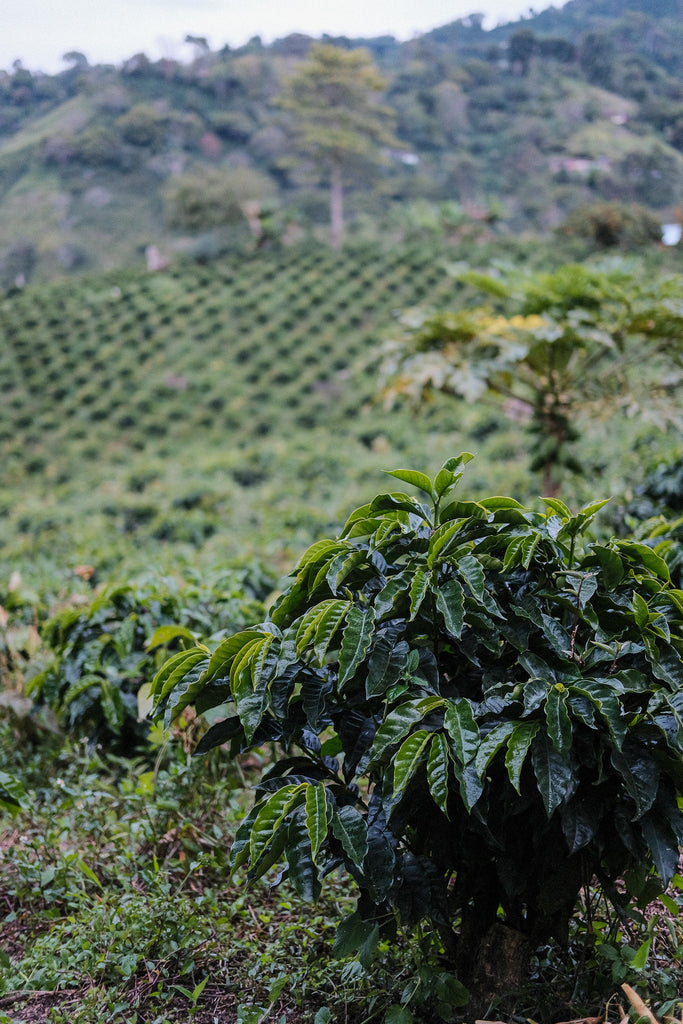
(519, 124)
(227, 411)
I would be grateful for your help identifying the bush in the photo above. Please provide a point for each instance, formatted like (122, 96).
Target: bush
(103, 654)
(607, 225)
(214, 197)
(478, 714)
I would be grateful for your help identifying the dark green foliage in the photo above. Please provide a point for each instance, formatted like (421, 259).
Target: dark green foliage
(479, 711)
(214, 197)
(105, 653)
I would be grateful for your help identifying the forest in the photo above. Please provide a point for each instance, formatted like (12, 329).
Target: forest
(341, 529)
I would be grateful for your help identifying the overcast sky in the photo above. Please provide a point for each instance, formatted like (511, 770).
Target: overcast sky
(40, 32)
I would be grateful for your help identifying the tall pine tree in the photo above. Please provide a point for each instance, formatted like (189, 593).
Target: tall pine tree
(338, 119)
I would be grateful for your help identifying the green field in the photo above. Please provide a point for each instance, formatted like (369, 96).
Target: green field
(212, 413)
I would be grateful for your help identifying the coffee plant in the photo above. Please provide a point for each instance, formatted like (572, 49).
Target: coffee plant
(478, 712)
(103, 654)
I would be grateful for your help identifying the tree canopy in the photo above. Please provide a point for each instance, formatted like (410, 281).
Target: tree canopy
(338, 119)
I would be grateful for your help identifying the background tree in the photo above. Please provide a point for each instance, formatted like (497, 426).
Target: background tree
(579, 342)
(338, 120)
(206, 199)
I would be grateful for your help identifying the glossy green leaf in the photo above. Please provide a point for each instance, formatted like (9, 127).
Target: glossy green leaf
(644, 557)
(409, 758)
(400, 502)
(271, 815)
(463, 730)
(440, 541)
(641, 612)
(438, 763)
(411, 476)
(385, 665)
(360, 623)
(394, 588)
(327, 625)
(558, 720)
(553, 773)
(470, 568)
(351, 830)
(489, 746)
(174, 670)
(316, 816)
(303, 871)
(450, 602)
(400, 721)
(517, 750)
(223, 657)
(418, 588)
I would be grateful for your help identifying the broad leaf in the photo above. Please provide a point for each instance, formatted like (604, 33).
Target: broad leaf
(437, 771)
(271, 815)
(411, 476)
(463, 730)
(408, 759)
(557, 718)
(360, 623)
(351, 830)
(316, 817)
(518, 747)
(450, 602)
(553, 773)
(418, 588)
(303, 871)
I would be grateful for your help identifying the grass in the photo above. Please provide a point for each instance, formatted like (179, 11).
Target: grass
(118, 906)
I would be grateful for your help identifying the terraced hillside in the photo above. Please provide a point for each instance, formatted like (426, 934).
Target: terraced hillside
(211, 412)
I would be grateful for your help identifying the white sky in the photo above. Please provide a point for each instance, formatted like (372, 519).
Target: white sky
(40, 32)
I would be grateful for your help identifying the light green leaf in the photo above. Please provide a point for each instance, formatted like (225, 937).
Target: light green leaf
(175, 669)
(440, 540)
(437, 771)
(518, 747)
(409, 758)
(327, 626)
(222, 658)
(645, 558)
(271, 816)
(462, 729)
(413, 477)
(558, 507)
(450, 602)
(316, 816)
(642, 953)
(418, 588)
(360, 624)
(165, 634)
